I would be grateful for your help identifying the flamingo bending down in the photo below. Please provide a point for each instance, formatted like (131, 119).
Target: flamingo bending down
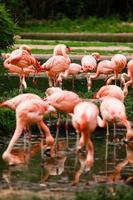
(73, 70)
(128, 75)
(62, 101)
(106, 67)
(15, 101)
(84, 120)
(21, 61)
(27, 113)
(89, 62)
(120, 62)
(110, 91)
(56, 65)
(113, 110)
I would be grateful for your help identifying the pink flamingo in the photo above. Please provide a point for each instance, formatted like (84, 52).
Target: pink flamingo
(113, 110)
(21, 61)
(56, 65)
(106, 67)
(15, 101)
(89, 62)
(84, 120)
(61, 49)
(128, 75)
(73, 70)
(27, 113)
(62, 101)
(110, 91)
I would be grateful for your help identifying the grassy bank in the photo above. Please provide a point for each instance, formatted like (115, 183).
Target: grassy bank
(91, 24)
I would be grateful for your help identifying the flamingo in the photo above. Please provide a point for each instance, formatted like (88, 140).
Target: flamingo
(84, 120)
(61, 49)
(73, 70)
(128, 75)
(15, 101)
(62, 101)
(21, 61)
(106, 67)
(110, 91)
(120, 62)
(113, 110)
(29, 112)
(89, 62)
(55, 65)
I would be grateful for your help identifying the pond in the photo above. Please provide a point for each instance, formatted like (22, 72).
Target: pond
(40, 172)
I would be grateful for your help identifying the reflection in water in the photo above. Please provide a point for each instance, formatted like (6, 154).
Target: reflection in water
(53, 166)
(66, 168)
(116, 176)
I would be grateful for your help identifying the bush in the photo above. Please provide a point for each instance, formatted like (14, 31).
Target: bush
(7, 29)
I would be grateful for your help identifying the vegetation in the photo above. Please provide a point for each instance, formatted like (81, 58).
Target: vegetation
(102, 193)
(98, 193)
(7, 29)
(49, 9)
(88, 24)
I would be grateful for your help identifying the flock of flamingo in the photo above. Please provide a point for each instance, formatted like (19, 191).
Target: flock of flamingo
(85, 114)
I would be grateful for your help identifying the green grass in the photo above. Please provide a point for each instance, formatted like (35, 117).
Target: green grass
(91, 24)
(73, 43)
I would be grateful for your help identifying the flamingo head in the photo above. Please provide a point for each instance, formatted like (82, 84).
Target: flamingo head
(68, 48)
(26, 47)
(96, 55)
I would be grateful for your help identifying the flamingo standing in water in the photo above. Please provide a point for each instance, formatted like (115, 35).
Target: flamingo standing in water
(57, 64)
(110, 91)
(113, 110)
(62, 101)
(21, 61)
(84, 120)
(27, 113)
(106, 67)
(128, 75)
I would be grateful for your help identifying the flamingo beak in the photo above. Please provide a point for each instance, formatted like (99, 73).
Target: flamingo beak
(68, 48)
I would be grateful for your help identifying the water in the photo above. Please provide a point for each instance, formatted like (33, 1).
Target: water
(58, 173)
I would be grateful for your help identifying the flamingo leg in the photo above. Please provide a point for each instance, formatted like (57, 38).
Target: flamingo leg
(107, 142)
(7, 156)
(66, 128)
(49, 137)
(57, 131)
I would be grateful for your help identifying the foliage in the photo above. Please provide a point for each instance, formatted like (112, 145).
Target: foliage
(78, 8)
(88, 24)
(17, 9)
(7, 29)
(102, 193)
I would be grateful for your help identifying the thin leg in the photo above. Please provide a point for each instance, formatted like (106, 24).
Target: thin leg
(66, 128)
(107, 141)
(7, 156)
(57, 131)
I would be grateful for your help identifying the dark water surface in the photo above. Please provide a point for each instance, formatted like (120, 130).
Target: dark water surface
(57, 174)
